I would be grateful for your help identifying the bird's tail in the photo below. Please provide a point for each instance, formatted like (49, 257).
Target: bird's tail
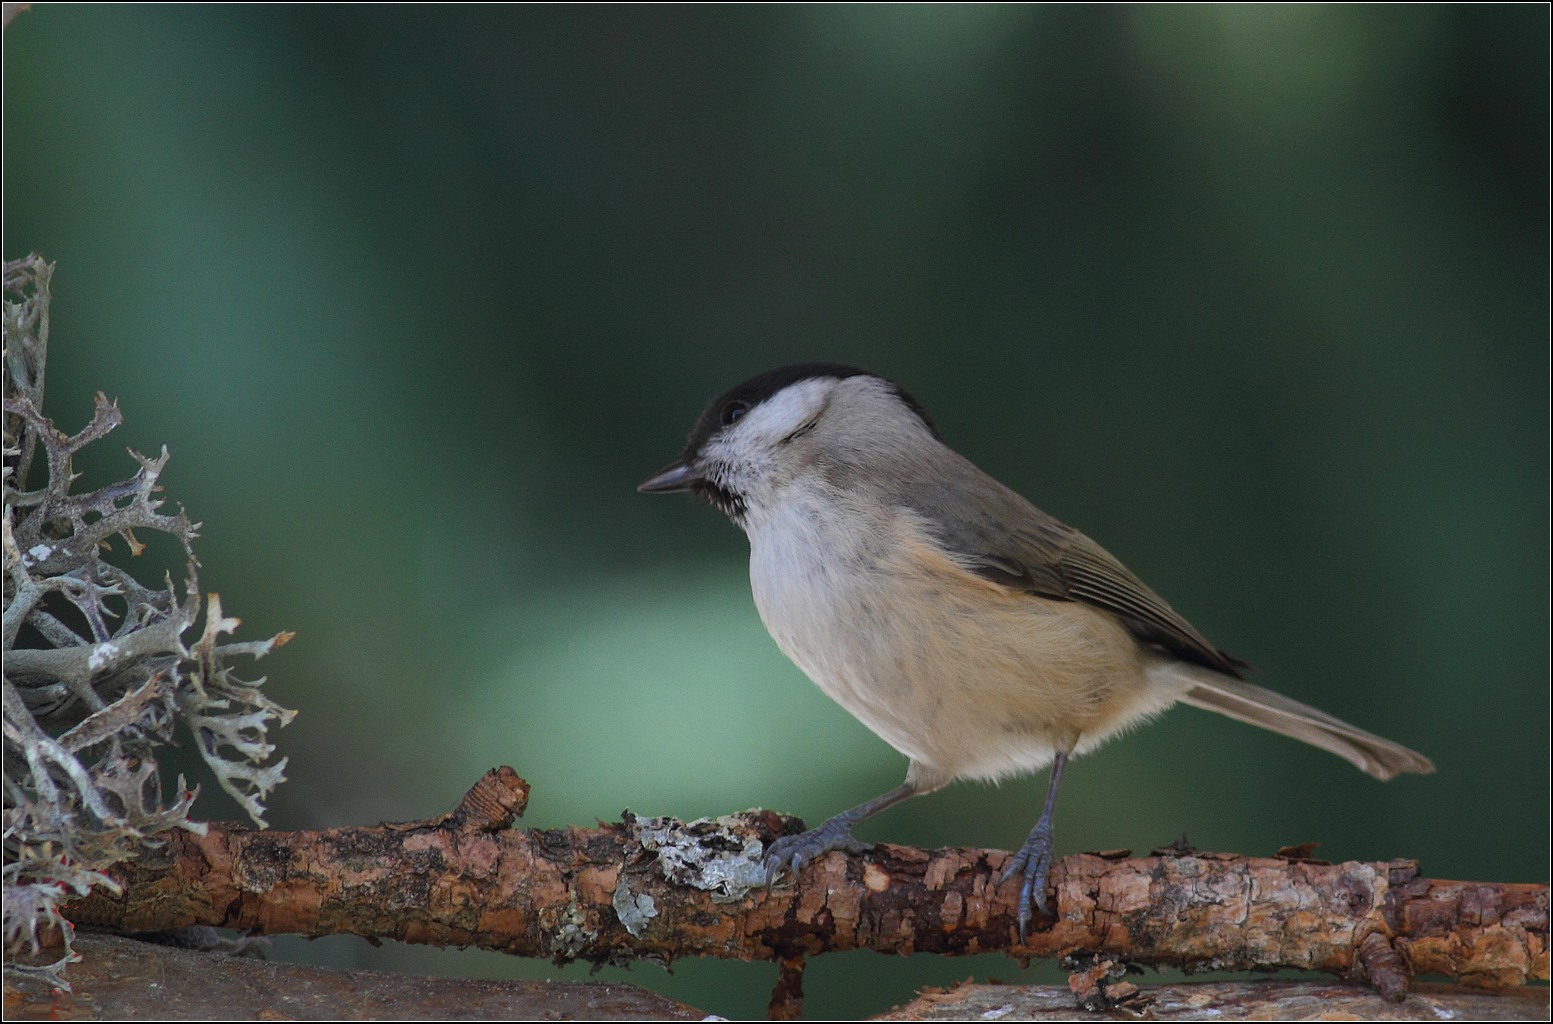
(1246, 702)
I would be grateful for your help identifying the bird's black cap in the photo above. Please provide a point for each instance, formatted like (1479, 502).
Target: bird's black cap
(762, 386)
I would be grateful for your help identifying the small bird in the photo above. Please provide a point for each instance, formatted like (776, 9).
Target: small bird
(968, 629)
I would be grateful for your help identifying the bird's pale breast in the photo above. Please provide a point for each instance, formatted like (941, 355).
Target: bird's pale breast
(961, 675)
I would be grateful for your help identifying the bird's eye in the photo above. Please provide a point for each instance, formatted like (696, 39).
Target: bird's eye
(733, 411)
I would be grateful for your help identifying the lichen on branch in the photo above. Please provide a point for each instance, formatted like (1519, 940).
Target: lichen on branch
(98, 674)
(659, 890)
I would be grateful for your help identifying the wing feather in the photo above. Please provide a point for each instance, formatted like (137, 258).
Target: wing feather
(1003, 538)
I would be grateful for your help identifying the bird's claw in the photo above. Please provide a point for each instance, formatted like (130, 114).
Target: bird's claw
(789, 855)
(1034, 860)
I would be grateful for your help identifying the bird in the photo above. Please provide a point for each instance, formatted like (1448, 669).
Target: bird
(977, 635)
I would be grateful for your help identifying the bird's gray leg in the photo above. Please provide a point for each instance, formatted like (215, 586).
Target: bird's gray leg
(790, 854)
(1035, 856)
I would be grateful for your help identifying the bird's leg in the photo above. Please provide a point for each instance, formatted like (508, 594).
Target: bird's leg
(790, 854)
(1035, 856)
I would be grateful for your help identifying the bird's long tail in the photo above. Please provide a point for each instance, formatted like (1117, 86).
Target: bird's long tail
(1246, 702)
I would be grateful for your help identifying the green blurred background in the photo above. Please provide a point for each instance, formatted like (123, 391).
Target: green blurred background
(1255, 297)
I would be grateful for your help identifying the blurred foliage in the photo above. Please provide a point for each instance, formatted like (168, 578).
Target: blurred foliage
(1255, 296)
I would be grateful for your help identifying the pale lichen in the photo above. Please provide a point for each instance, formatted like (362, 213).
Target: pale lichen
(634, 909)
(97, 675)
(708, 853)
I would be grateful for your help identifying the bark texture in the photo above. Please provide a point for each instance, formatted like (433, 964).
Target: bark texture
(658, 889)
(1231, 1000)
(119, 979)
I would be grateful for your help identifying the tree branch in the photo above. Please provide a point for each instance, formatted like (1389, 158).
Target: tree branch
(658, 889)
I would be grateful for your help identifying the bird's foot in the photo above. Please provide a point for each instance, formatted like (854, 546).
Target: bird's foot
(1034, 859)
(790, 854)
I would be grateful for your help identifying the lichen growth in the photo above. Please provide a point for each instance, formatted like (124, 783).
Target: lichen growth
(708, 853)
(97, 673)
(570, 932)
(635, 910)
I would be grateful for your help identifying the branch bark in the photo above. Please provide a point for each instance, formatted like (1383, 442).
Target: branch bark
(658, 889)
(118, 979)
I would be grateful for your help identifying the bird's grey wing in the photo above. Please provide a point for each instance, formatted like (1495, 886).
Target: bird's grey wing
(1012, 543)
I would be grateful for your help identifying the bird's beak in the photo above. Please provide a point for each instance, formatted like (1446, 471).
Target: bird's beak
(678, 477)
